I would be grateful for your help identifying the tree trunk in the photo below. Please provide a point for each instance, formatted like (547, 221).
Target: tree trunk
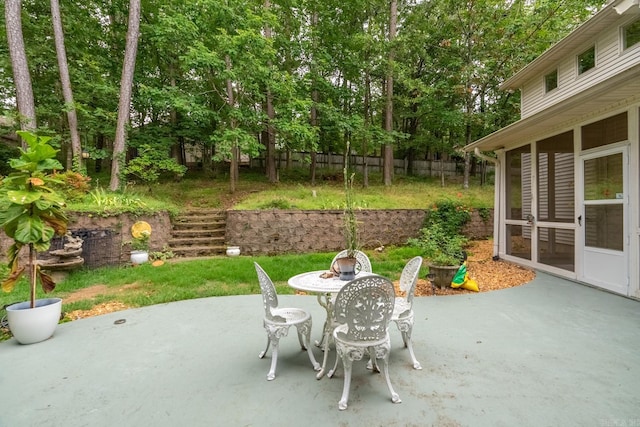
(388, 120)
(269, 136)
(21, 75)
(65, 80)
(233, 167)
(367, 125)
(126, 85)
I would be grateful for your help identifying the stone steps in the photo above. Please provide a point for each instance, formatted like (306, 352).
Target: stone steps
(198, 233)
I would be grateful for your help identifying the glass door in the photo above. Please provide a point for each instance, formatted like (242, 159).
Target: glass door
(603, 220)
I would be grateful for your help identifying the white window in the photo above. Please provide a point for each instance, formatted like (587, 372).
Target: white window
(587, 60)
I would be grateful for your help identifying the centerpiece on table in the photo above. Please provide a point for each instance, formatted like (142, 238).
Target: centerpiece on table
(346, 265)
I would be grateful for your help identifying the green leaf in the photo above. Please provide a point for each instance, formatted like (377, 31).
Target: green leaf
(50, 164)
(23, 165)
(31, 230)
(10, 214)
(23, 197)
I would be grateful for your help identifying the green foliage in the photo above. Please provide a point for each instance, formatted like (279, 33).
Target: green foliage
(451, 215)
(73, 185)
(141, 243)
(152, 163)
(439, 246)
(279, 203)
(163, 255)
(441, 237)
(31, 211)
(485, 214)
(7, 152)
(115, 203)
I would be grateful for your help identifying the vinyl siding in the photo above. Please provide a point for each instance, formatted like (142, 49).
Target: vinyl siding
(610, 60)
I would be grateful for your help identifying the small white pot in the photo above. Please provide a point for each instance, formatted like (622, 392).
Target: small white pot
(139, 257)
(233, 250)
(31, 325)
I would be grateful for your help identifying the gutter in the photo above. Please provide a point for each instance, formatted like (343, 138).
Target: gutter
(496, 201)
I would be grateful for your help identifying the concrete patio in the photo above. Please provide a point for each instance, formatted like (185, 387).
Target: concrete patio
(549, 353)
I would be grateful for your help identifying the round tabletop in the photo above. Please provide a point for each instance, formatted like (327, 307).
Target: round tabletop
(313, 281)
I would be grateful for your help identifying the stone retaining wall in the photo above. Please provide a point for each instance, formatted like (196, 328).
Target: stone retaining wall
(294, 231)
(261, 232)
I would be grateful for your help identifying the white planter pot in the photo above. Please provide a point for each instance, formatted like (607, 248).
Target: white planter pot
(31, 325)
(233, 250)
(139, 257)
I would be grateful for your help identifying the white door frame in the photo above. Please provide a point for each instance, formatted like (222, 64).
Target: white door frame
(605, 268)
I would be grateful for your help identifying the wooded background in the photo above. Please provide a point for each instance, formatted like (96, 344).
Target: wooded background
(413, 80)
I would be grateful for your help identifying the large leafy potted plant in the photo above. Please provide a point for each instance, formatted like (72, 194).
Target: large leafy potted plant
(442, 242)
(32, 213)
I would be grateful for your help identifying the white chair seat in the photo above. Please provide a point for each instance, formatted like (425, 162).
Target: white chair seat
(402, 308)
(403, 314)
(278, 320)
(291, 315)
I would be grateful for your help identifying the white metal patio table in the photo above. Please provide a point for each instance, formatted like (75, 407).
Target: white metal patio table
(318, 283)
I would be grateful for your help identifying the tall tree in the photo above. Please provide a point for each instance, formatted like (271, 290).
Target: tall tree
(65, 81)
(126, 86)
(19, 65)
(268, 133)
(387, 157)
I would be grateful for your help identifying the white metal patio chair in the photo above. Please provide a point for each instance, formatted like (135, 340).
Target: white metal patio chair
(403, 308)
(277, 322)
(363, 310)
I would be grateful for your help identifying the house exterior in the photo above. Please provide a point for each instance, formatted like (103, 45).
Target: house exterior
(567, 188)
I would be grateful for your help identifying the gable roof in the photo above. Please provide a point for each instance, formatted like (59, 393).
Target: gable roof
(616, 92)
(581, 36)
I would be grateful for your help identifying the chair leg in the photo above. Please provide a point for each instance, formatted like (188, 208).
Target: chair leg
(347, 364)
(335, 365)
(321, 342)
(405, 326)
(262, 353)
(274, 359)
(406, 337)
(395, 398)
(273, 333)
(304, 336)
(372, 364)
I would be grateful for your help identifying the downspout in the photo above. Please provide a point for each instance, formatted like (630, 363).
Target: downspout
(496, 201)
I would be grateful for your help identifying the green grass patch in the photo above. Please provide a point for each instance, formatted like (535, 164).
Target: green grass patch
(146, 285)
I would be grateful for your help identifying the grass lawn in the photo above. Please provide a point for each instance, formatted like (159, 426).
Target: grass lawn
(178, 280)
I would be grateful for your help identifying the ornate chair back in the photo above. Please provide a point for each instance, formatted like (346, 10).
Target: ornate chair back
(409, 278)
(269, 294)
(365, 305)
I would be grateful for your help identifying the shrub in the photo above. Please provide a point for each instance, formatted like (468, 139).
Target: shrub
(441, 238)
(439, 246)
(452, 216)
(151, 164)
(73, 185)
